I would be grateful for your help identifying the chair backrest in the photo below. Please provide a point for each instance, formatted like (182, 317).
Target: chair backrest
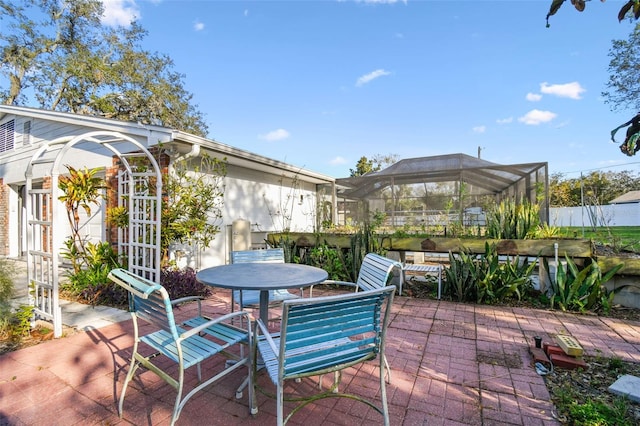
(274, 255)
(375, 271)
(324, 334)
(148, 301)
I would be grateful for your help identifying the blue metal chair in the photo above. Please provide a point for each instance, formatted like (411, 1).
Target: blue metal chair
(249, 298)
(203, 339)
(375, 273)
(324, 335)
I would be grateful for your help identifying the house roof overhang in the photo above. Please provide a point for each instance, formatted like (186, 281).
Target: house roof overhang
(183, 142)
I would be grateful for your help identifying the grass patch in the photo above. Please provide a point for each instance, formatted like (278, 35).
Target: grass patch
(581, 397)
(620, 238)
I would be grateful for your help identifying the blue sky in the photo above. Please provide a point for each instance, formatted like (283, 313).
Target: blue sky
(319, 84)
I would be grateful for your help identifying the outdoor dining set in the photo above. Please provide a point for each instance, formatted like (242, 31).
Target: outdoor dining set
(310, 337)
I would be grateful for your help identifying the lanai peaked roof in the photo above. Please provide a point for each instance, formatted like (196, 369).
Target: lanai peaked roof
(484, 176)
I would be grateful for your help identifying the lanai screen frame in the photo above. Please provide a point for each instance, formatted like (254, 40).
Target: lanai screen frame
(528, 181)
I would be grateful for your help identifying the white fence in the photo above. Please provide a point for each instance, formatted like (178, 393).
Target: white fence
(607, 215)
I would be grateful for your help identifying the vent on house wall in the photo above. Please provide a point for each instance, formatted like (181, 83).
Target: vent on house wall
(6, 136)
(26, 133)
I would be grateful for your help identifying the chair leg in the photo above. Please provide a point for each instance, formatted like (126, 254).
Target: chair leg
(177, 408)
(383, 392)
(133, 366)
(387, 370)
(280, 408)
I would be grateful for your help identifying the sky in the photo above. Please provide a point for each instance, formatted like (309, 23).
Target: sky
(319, 84)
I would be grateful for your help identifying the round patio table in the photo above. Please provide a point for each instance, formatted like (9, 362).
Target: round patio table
(263, 277)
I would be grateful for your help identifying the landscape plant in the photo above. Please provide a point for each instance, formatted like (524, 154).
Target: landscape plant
(331, 260)
(459, 278)
(14, 323)
(181, 282)
(575, 289)
(511, 220)
(192, 207)
(7, 275)
(486, 278)
(501, 279)
(80, 189)
(90, 262)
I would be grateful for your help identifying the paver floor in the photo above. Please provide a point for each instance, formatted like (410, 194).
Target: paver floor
(451, 364)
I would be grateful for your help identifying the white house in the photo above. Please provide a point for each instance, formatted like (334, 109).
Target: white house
(261, 194)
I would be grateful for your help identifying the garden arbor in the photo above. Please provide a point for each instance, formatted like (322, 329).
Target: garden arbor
(139, 191)
(440, 190)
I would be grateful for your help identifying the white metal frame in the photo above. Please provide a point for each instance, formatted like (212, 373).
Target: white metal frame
(44, 229)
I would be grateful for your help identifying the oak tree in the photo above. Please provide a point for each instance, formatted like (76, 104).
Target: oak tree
(58, 54)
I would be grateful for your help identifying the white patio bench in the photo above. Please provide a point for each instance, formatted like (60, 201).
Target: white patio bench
(426, 269)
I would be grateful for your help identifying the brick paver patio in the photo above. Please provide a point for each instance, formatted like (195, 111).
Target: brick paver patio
(452, 364)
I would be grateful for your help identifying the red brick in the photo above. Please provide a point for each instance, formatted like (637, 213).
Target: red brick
(568, 362)
(539, 356)
(554, 350)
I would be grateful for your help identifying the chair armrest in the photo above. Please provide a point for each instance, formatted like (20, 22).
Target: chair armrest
(186, 299)
(333, 282)
(217, 320)
(265, 332)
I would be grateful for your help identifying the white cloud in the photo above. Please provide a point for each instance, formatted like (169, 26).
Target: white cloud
(367, 78)
(534, 97)
(275, 135)
(504, 120)
(198, 26)
(479, 129)
(338, 161)
(568, 90)
(535, 117)
(120, 13)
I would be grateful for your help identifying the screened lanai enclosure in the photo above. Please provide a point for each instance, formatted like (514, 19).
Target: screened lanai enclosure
(433, 193)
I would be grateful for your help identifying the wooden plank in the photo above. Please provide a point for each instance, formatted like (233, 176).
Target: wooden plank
(631, 265)
(574, 248)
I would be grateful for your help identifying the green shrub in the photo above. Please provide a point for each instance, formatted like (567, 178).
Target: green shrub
(182, 282)
(7, 275)
(90, 282)
(331, 260)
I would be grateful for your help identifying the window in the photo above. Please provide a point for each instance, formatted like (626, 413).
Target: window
(6, 136)
(26, 133)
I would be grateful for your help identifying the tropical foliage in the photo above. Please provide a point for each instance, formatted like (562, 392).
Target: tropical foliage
(80, 190)
(511, 220)
(192, 209)
(487, 278)
(575, 289)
